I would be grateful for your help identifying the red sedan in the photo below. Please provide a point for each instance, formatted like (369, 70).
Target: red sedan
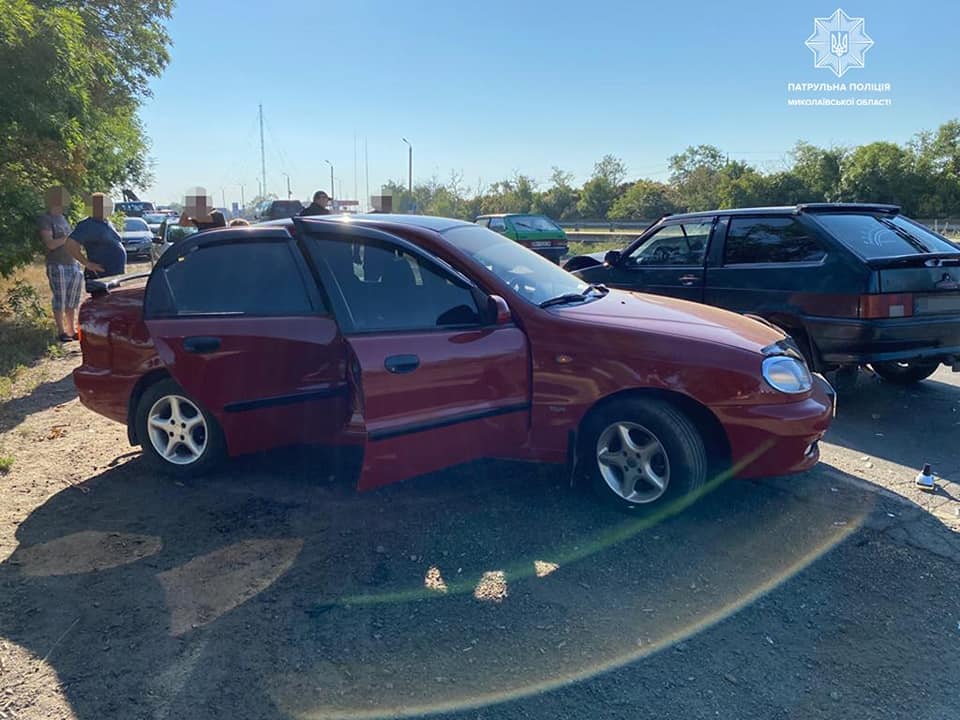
(431, 342)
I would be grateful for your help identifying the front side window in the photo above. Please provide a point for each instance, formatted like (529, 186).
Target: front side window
(260, 278)
(383, 287)
(753, 240)
(683, 244)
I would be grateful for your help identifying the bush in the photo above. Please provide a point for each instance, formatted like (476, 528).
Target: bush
(23, 304)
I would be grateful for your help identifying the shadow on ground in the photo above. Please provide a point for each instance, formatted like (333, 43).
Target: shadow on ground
(273, 591)
(45, 395)
(906, 425)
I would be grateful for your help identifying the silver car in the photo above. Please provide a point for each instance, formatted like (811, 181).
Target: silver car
(136, 237)
(173, 233)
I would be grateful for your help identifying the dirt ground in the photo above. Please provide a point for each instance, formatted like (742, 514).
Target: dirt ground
(488, 591)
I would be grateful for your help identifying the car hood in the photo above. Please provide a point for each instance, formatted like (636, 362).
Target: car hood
(136, 235)
(669, 316)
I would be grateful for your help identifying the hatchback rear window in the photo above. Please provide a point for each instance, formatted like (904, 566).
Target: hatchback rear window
(877, 236)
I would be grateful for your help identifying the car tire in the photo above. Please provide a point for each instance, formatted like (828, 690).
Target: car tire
(905, 373)
(178, 435)
(642, 456)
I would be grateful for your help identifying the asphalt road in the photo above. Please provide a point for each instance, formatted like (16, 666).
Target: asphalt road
(495, 591)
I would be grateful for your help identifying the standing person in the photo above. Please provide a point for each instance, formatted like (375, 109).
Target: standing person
(318, 206)
(96, 244)
(63, 271)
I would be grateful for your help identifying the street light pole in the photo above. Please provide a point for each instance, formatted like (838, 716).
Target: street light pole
(332, 193)
(409, 168)
(289, 194)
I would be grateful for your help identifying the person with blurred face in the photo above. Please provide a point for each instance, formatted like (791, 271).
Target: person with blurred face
(96, 244)
(63, 271)
(319, 204)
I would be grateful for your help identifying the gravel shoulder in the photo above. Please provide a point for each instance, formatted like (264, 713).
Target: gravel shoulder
(272, 590)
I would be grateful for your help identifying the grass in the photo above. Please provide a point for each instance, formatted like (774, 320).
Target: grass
(582, 248)
(6, 462)
(23, 341)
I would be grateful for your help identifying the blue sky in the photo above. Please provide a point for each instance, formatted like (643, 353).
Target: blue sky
(486, 89)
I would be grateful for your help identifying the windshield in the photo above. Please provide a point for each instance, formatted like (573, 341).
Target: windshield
(531, 276)
(134, 225)
(879, 236)
(155, 217)
(534, 223)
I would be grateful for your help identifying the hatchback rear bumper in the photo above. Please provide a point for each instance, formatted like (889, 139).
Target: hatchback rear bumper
(847, 341)
(778, 439)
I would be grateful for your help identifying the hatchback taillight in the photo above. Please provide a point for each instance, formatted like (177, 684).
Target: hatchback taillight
(893, 305)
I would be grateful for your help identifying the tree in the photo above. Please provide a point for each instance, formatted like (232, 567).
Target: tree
(644, 200)
(603, 187)
(819, 170)
(882, 172)
(694, 174)
(559, 201)
(72, 76)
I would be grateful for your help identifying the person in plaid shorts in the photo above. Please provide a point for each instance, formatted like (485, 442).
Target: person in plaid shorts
(63, 271)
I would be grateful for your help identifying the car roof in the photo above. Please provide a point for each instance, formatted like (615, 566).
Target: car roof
(792, 210)
(427, 222)
(503, 215)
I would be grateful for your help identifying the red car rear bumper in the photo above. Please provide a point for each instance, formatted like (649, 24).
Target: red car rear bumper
(104, 392)
(778, 439)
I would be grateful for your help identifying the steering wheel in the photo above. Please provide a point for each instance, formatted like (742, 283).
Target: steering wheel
(662, 254)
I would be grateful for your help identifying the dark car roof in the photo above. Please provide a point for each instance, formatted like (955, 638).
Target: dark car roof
(792, 210)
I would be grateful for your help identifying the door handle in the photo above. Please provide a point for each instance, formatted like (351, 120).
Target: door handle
(400, 364)
(689, 279)
(201, 345)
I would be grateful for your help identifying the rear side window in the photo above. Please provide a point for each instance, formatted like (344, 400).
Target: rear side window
(753, 240)
(876, 236)
(232, 279)
(497, 225)
(482, 221)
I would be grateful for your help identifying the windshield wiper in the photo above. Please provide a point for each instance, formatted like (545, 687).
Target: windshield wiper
(575, 297)
(912, 239)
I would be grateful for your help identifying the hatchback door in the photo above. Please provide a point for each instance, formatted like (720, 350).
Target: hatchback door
(668, 262)
(435, 382)
(239, 323)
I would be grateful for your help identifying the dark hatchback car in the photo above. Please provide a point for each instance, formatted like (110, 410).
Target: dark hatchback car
(853, 284)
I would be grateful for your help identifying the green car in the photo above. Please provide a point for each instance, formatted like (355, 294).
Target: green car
(537, 232)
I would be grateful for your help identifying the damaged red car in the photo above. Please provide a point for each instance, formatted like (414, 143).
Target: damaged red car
(432, 342)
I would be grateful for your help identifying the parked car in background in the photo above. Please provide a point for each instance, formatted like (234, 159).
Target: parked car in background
(853, 284)
(137, 238)
(170, 233)
(431, 342)
(154, 220)
(537, 232)
(277, 209)
(134, 208)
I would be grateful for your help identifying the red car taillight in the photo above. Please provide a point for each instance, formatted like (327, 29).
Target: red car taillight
(894, 305)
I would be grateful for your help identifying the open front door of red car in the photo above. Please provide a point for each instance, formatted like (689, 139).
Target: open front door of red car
(436, 381)
(436, 399)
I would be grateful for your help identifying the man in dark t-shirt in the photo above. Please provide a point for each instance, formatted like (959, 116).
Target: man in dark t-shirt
(318, 206)
(96, 244)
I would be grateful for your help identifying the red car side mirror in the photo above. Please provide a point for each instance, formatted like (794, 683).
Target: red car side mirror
(499, 311)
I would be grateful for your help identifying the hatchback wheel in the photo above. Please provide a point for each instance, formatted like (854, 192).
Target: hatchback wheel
(176, 432)
(643, 455)
(905, 373)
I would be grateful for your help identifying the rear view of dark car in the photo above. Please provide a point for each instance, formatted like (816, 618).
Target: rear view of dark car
(853, 284)
(279, 209)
